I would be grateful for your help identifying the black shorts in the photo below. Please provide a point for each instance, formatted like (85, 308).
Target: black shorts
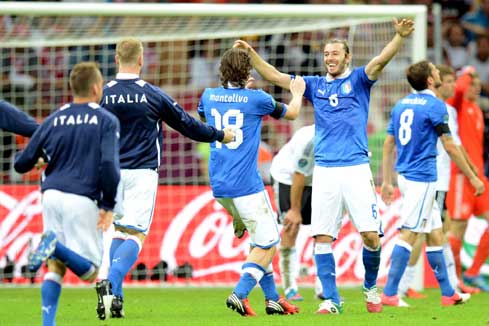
(284, 203)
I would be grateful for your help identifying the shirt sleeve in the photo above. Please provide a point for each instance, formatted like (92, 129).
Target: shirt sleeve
(176, 117)
(200, 107)
(304, 158)
(390, 126)
(453, 125)
(14, 120)
(439, 114)
(110, 167)
(311, 86)
(26, 159)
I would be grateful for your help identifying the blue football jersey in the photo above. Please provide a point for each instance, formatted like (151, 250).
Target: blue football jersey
(341, 113)
(141, 107)
(413, 122)
(81, 144)
(14, 120)
(233, 167)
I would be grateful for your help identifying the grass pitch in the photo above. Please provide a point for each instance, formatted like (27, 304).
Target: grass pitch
(206, 307)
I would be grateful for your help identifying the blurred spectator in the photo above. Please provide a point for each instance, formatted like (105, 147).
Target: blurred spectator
(480, 61)
(204, 64)
(455, 44)
(453, 10)
(476, 23)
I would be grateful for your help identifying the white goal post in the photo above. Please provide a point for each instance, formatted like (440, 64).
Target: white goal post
(41, 41)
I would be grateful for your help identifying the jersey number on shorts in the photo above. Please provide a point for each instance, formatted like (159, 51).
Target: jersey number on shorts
(224, 121)
(405, 121)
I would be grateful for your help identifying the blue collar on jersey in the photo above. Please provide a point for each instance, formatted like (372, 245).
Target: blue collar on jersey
(342, 76)
(125, 75)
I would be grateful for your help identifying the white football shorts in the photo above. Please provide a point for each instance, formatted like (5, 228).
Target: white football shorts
(135, 200)
(74, 220)
(256, 212)
(350, 188)
(419, 211)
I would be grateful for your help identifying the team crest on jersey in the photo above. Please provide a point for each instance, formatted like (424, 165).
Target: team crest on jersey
(346, 88)
(302, 162)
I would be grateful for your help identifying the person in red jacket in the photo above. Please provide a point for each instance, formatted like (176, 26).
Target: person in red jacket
(461, 201)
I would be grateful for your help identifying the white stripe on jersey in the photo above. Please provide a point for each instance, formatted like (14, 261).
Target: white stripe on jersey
(141, 83)
(158, 143)
(111, 83)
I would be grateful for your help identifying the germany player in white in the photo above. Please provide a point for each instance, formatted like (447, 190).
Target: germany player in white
(80, 141)
(291, 172)
(417, 121)
(342, 176)
(234, 176)
(140, 108)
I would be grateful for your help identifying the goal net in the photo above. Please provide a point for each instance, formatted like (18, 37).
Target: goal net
(191, 234)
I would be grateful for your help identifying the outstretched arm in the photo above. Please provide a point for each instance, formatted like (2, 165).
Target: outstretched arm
(403, 29)
(266, 70)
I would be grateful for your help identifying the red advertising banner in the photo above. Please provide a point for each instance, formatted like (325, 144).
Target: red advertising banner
(189, 227)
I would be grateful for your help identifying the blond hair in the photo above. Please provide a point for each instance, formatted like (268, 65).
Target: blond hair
(128, 51)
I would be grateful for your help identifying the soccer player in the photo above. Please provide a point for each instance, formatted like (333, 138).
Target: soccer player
(443, 92)
(417, 121)
(291, 171)
(342, 176)
(461, 202)
(233, 172)
(140, 108)
(80, 140)
(14, 120)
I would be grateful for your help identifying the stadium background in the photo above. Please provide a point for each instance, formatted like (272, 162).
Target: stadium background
(191, 238)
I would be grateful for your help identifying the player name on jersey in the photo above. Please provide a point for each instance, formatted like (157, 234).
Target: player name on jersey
(234, 98)
(126, 98)
(79, 119)
(416, 101)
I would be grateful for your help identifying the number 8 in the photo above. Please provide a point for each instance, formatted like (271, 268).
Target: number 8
(406, 120)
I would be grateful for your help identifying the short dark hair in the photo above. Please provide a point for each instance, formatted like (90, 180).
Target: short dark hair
(417, 75)
(83, 76)
(235, 67)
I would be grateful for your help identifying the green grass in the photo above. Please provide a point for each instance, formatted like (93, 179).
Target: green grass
(205, 306)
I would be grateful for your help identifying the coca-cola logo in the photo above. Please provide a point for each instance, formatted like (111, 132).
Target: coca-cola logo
(18, 227)
(201, 233)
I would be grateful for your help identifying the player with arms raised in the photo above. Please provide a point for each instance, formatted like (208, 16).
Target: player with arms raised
(80, 141)
(342, 176)
(234, 176)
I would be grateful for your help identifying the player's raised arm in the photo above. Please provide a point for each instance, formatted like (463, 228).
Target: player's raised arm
(387, 190)
(297, 88)
(403, 29)
(266, 70)
(457, 157)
